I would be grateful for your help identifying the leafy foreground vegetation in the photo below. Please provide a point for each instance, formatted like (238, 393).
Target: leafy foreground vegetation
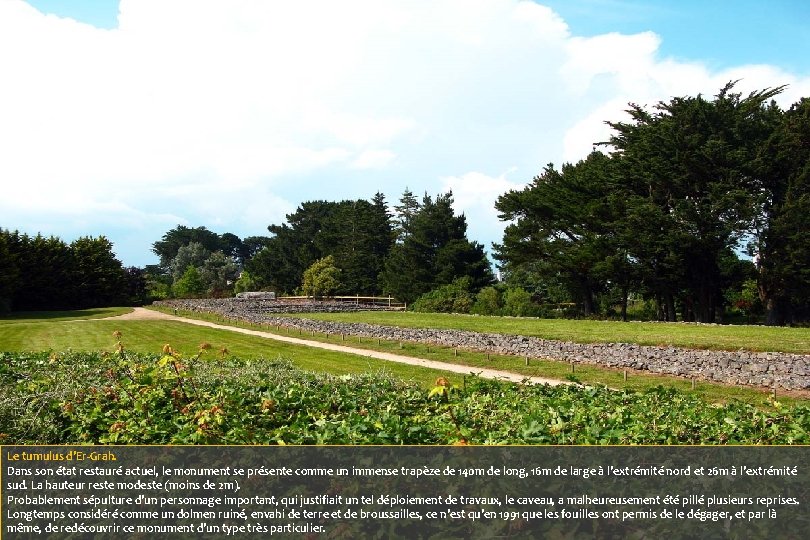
(587, 374)
(123, 397)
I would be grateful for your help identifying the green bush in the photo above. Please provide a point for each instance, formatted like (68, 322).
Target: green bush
(452, 298)
(517, 302)
(190, 285)
(322, 278)
(245, 283)
(745, 304)
(488, 301)
(124, 398)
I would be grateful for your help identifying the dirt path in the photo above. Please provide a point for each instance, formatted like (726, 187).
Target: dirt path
(142, 314)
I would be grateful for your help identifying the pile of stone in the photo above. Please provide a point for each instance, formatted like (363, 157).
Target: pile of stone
(762, 369)
(256, 309)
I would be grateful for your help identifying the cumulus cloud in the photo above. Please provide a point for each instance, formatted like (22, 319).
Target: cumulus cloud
(233, 112)
(474, 195)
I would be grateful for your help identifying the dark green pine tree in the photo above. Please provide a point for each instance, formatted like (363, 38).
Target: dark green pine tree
(231, 246)
(9, 272)
(434, 252)
(291, 249)
(251, 245)
(783, 245)
(358, 234)
(98, 277)
(46, 272)
(688, 172)
(382, 235)
(167, 247)
(562, 229)
(407, 208)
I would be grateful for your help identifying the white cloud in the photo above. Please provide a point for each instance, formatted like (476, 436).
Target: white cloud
(660, 81)
(373, 159)
(233, 112)
(474, 195)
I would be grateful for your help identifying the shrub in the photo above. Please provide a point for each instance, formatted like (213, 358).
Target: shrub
(322, 278)
(125, 398)
(245, 283)
(190, 285)
(518, 303)
(745, 302)
(488, 301)
(454, 297)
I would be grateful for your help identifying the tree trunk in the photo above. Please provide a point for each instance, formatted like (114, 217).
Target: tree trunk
(625, 294)
(688, 314)
(671, 315)
(778, 312)
(588, 303)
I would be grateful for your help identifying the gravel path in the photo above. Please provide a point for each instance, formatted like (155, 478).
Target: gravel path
(143, 314)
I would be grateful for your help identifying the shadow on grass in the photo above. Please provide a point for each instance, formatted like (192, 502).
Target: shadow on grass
(67, 315)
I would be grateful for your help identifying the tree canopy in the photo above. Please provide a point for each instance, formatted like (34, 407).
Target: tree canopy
(432, 250)
(39, 273)
(667, 213)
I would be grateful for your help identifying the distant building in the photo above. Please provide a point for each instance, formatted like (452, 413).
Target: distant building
(257, 295)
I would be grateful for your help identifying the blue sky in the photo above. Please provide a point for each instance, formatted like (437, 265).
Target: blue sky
(229, 115)
(720, 33)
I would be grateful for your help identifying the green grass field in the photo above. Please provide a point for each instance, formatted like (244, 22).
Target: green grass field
(55, 316)
(721, 337)
(151, 336)
(586, 374)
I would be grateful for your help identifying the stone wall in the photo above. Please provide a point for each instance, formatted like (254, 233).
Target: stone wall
(763, 369)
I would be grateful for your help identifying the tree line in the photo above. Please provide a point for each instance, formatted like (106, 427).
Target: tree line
(697, 203)
(328, 248)
(421, 245)
(45, 273)
(694, 209)
(196, 262)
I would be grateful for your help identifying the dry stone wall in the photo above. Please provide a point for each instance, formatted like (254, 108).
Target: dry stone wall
(762, 369)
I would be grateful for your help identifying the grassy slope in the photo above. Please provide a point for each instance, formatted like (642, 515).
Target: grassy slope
(754, 338)
(150, 336)
(587, 374)
(53, 316)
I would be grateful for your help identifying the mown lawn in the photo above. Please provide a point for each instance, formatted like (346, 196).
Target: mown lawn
(151, 336)
(584, 373)
(721, 337)
(71, 315)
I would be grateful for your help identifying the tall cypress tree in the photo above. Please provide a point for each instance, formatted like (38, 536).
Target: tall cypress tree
(783, 245)
(9, 272)
(435, 251)
(563, 229)
(98, 277)
(689, 169)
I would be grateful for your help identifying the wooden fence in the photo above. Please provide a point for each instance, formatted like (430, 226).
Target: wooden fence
(388, 302)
